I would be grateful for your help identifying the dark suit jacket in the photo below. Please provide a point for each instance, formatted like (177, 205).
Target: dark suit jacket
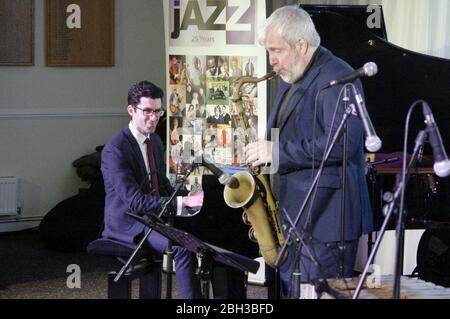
(127, 184)
(296, 146)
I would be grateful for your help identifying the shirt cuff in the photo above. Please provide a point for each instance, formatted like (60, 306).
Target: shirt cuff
(179, 205)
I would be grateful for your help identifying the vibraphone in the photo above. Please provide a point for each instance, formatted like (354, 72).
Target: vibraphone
(410, 288)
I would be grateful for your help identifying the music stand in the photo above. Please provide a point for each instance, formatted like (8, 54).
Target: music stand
(205, 251)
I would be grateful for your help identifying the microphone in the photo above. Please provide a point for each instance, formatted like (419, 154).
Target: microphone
(373, 142)
(368, 69)
(441, 163)
(224, 178)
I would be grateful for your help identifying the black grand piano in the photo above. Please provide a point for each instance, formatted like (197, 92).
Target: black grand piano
(218, 224)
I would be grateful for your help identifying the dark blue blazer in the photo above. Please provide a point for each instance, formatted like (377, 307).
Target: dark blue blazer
(296, 147)
(127, 184)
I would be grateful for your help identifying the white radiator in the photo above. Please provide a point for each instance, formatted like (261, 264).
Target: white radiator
(9, 195)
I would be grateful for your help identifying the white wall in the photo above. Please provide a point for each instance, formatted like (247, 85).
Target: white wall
(50, 116)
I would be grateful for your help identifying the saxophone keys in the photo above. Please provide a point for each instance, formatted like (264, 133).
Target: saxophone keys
(251, 235)
(245, 218)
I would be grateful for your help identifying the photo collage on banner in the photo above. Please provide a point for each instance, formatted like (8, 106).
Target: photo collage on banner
(202, 118)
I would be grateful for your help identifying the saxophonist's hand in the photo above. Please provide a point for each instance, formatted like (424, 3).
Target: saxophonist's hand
(259, 153)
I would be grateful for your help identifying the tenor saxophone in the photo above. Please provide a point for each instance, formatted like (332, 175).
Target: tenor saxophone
(253, 192)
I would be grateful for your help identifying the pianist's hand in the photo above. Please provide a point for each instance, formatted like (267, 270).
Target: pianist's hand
(193, 201)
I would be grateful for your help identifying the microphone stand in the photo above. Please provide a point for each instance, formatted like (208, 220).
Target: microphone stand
(299, 243)
(169, 252)
(167, 207)
(391, 208)
(373, 191)
(347, 113)
(344, 186)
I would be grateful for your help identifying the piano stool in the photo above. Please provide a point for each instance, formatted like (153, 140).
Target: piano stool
(148, 270)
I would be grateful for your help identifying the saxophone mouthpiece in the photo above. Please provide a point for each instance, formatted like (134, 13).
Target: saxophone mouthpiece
(269, 76)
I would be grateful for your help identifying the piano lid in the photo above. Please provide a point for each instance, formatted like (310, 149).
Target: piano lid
(403, 76)
(358, 13)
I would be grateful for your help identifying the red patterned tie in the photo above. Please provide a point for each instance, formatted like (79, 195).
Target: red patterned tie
(152, 167)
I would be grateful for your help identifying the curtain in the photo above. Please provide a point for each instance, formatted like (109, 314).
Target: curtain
(419, 25)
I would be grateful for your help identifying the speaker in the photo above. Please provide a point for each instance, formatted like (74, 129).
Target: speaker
(433, 257)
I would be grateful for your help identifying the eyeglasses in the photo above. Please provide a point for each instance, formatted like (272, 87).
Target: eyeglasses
(148, 112)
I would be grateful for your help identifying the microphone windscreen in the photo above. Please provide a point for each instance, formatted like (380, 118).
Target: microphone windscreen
(233, 183)
(370, 69)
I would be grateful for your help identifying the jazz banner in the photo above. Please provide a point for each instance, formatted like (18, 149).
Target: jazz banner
(210, 44)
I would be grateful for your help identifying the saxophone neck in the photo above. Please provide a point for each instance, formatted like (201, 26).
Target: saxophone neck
(237, 92)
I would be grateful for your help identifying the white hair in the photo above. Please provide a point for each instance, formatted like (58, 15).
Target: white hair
(292, 23)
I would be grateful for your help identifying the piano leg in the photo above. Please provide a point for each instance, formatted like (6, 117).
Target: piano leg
(273, 283)
(229, 283)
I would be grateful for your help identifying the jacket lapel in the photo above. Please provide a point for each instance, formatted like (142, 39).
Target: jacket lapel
(135, 149)
(271, 122)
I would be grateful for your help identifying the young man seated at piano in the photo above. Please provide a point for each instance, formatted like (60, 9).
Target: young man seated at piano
(135, 181)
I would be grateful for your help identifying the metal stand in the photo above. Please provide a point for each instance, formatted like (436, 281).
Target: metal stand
(298, 242)
(391, 208)
(206, 252)
(372, 180)
(169, 259)
(167, 207)
(344, 187)
(204, 271)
